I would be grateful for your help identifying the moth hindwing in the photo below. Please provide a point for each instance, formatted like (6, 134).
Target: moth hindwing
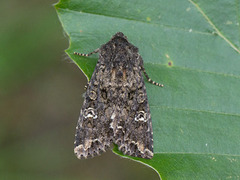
(115, 108)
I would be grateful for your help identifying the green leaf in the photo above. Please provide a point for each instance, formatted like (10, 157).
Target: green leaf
(192, 47)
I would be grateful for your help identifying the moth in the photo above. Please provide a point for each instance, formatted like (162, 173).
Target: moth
(115, 108)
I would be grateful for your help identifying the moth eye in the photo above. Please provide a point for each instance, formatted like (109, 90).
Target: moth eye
(92, 95)
(141, 98)
(89, 113)
(141, 116)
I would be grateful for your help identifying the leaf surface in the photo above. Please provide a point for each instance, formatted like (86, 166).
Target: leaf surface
(192, 47)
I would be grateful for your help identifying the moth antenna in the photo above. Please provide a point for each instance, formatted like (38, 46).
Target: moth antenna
(150, 80)
(86, 55)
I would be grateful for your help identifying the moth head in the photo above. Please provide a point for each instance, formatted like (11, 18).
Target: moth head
(119, 35)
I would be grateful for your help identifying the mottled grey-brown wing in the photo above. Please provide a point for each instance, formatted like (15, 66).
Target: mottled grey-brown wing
(93, 135)
(132, 127)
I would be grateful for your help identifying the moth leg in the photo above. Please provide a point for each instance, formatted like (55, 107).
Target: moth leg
(89, 54)
(150, 80)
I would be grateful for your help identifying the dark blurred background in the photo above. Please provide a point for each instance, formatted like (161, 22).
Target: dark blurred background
(40, 98)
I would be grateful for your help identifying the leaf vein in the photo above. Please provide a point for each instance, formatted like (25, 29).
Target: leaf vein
(192, 153)
(140, 21)
(214, 27)
(198, 70)
(238, 17)
(195, 110)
